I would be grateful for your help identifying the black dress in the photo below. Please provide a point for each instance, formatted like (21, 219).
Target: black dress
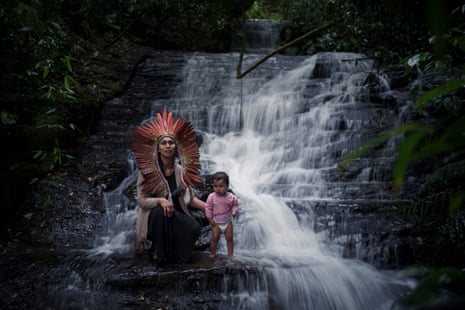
(173, 238)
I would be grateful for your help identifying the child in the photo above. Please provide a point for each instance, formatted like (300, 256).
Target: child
(220, 208)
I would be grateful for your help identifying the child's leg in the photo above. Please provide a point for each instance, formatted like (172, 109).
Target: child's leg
(214, 242)
(228, 235)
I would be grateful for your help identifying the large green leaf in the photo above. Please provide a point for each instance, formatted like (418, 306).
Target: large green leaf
(452, 139)
(439, 91)
(380, 138)
(404, 156)
(429, 287)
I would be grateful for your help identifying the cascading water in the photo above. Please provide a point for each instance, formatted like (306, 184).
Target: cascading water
(280, 133)
(262, 35)
(295, 129)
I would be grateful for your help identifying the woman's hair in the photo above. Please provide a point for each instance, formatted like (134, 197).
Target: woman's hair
(220, 175)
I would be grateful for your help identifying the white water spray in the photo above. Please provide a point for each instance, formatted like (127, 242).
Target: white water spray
(283, 153)
(296, 127)
(120, 218)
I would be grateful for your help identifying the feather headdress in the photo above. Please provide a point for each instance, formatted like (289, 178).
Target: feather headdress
(145, 141)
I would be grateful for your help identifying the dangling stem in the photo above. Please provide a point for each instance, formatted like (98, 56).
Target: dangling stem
(239, 67)
(241, 120)
(262, 60)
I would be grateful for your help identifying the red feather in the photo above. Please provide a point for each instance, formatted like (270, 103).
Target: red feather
(144, 140)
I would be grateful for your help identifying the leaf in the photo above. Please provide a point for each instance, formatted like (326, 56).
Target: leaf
(56, 25)
(404, 157)
(451, 139)
(460, 43)
(71, 78)
(378, 139)
(430, 149)
(48, 94)
(28, 215)
(439, 91)
(70, 97)
(371, 143)
(67, 61)
(456, 128)
(37, 154)
(456, 202)
(45, 73)
(428, 287)
(7, 118)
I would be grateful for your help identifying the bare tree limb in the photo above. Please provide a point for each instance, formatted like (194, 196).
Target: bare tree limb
(240, 74)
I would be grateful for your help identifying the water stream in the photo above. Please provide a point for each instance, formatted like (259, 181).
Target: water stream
(262, 35)
(299, 119)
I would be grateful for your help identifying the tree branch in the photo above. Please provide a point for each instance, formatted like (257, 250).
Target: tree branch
(263, 59)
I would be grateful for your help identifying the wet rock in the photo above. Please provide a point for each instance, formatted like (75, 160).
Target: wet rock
(370, 230)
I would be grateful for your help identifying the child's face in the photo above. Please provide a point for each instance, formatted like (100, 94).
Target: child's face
(220, 187)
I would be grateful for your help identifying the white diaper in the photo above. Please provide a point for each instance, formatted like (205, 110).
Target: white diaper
(223, 226)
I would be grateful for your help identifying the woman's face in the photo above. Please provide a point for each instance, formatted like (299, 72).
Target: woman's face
(167, 147)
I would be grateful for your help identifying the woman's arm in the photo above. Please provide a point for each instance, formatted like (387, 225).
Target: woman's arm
(196, 203)
(147, 202)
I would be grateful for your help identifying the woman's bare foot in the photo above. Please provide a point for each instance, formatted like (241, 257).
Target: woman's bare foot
(212, 256)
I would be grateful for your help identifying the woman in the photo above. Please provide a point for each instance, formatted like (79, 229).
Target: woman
(163, 191)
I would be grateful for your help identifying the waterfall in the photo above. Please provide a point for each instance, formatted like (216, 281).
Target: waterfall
(262, 35)
(280, 133)
(296, 127)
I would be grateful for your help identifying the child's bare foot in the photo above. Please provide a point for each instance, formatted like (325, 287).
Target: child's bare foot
(212, 256)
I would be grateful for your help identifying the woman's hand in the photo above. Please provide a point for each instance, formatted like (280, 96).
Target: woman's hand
(168, 208)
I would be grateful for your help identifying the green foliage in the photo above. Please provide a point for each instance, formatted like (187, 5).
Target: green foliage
(443, 141)
(439, 92)
(433, 281)
(47, 201)
(432, 204)
(7, 118)
(386, 30)
(265, 10)
(42, 102)
(452, 232)
(444, 100)
(53, 88)
(256, 12)
(178, 24)
(54, 157)
(37, 85)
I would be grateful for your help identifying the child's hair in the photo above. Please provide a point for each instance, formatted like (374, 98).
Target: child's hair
(220, 175)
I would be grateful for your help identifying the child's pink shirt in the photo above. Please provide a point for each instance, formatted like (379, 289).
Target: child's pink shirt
(220, 208)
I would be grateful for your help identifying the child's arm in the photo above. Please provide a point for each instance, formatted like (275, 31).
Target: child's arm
(235, 206)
